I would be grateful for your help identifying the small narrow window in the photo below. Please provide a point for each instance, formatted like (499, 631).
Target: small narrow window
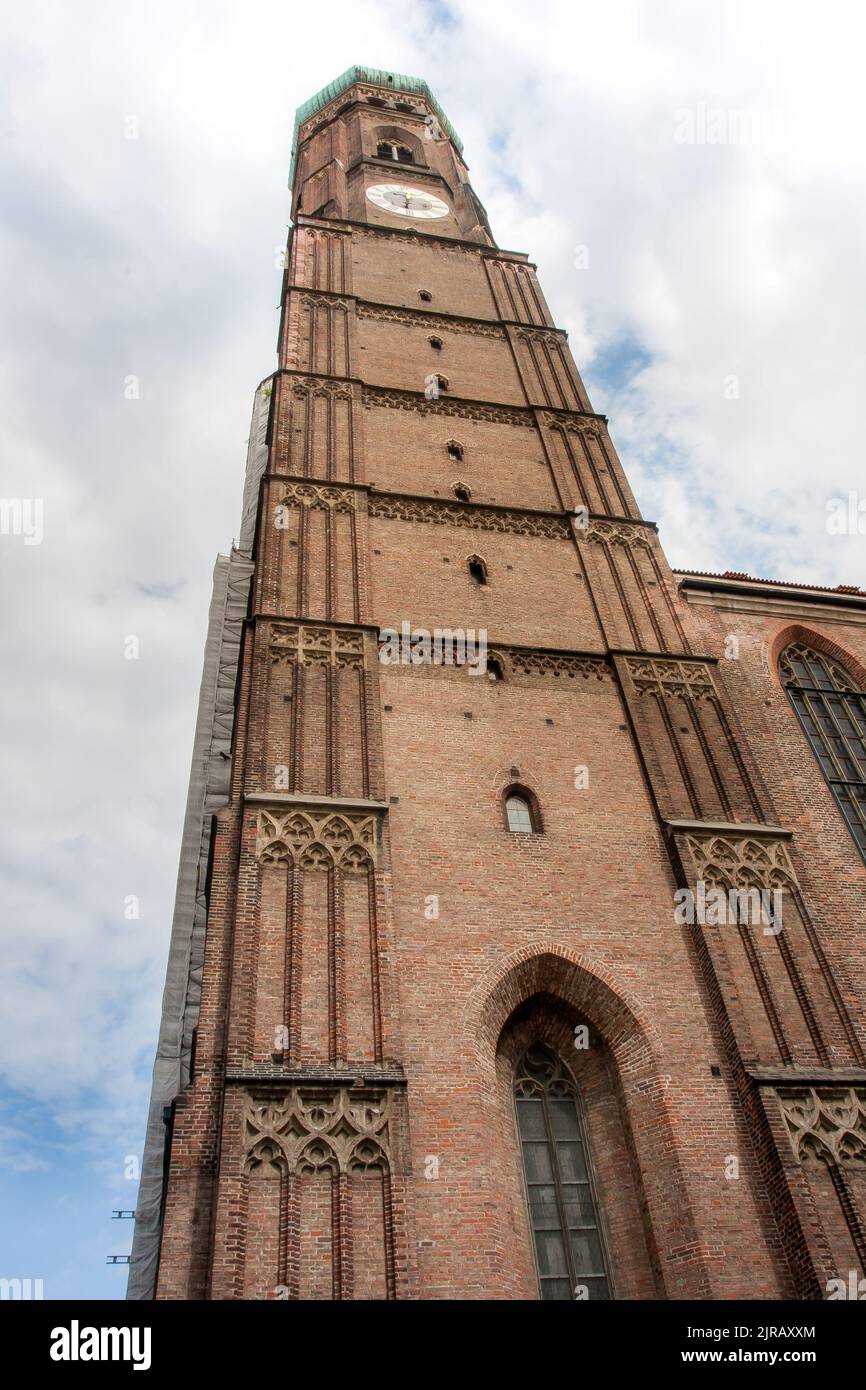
(435, 342)
(462, 493)
(455, 450)
(522, 809)
(385, 150)
(494, 669)
(404, 155)
(477, 570)
(442, 382)
(425, 295)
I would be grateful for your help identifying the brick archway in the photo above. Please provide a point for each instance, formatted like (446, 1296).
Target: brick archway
(588, 991)
(798, 632)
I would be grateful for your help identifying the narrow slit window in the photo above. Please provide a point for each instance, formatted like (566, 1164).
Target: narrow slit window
(477, 570)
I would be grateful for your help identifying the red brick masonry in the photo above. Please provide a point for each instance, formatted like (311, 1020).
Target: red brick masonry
(381, 950)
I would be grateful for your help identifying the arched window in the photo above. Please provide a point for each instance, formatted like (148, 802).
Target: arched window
(563, 1212)
(518, 813)
(832, 711)
(462, 492)
(435, 342)
(455, 450)
(477, 570)
(494, 669)
(389, 149)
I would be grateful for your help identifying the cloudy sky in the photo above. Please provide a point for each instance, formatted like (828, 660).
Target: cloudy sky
(689, 179)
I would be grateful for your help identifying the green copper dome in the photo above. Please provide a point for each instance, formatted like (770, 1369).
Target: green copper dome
(377, 77)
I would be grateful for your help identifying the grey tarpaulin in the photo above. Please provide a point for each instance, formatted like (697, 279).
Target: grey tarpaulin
(208, 790)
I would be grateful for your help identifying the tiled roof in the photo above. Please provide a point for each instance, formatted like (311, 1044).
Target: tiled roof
(778, 583)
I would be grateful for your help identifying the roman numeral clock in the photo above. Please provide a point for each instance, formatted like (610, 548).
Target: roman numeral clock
(407, 201)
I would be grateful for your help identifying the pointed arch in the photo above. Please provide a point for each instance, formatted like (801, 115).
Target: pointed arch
(559, 1183)
(477, 567)
(541, 992)
(828, 696)
(798, 632)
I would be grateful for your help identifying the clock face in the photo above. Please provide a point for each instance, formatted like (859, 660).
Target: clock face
(406, 201)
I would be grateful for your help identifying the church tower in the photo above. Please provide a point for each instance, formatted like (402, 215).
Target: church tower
(437, 1022)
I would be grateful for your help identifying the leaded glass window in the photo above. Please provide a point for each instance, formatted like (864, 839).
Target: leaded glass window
(833, 713)
(563, 1215)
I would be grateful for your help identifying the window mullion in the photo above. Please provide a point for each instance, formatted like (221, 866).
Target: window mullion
(851, 808)
(560, 1196)
(820, 721)
(842, 735)
(821, 734)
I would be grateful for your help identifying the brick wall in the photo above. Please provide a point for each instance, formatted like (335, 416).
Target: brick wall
(381, 948)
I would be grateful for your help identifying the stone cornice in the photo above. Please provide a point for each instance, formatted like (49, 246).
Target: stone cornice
(299, 490)
(393, 398)
(395, 166)
(351, 225)
(448, 323)
(478, 516)
(319, 803)
(749, 829)
(776, 601)
(432, 318)
(367, 1073)
(808, 1076)
(397, 398)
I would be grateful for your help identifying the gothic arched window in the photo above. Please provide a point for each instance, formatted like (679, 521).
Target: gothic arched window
(569, 1251)
(477, 570)
(832, 710)
(522, 815)
(389, 149)
(494, 669)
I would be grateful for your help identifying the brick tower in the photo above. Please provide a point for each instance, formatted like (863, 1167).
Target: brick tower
(437, 1022)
